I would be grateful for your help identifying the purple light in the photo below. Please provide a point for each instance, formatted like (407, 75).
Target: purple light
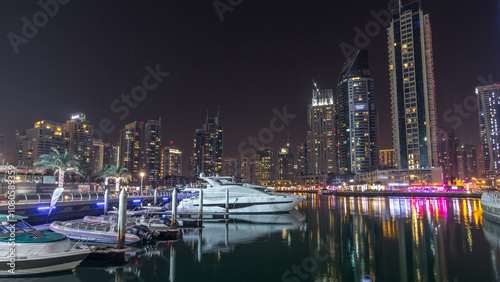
(100, 203)
(45, 208)
(137, 201)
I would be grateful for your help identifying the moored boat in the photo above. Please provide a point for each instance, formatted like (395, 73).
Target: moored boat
(102, 233)
(242, 198)
(490, 202)
(35, 252)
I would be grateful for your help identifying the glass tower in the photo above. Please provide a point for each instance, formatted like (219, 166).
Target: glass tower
(411, 71)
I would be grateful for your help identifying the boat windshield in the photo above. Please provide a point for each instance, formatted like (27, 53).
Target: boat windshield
(262, 189)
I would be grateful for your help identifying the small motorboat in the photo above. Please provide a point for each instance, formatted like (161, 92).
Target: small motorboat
(26, 251)
(154, 223)
(102, 233)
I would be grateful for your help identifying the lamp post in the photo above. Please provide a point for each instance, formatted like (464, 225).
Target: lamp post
(142, 179)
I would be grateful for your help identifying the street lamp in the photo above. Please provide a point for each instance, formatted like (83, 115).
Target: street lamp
(142, 179)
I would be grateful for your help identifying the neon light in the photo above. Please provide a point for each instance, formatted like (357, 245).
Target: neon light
(165, 198)
(45, 208)
(100, 203)
(137, 201)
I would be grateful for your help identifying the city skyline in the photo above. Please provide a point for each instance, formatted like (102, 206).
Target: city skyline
(267, 89)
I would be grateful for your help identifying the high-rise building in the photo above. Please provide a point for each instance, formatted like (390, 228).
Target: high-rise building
(320, 132)
(264, 167)
(302, 160)
(97, 162)
(130, 146)
(207, 153)
(488, 100)
(45, 137)
(411, 72)
(355, 117)
(151, 162)
(386, 158)
(286, 171)
(448, 151)
(467, 162)
(171, 162)
(79, 139)
(238, 167)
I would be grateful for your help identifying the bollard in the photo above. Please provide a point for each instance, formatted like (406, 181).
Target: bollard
(122, 220)
(200, 214)
(227, 201)
(174, 208)
(106, 196)
(156, 197)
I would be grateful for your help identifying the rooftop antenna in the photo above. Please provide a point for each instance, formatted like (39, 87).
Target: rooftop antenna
(315, 85)
(288, 139)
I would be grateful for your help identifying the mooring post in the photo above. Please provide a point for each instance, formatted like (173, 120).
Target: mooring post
(174, 208)
(200, 214)
(156, 196)
(227, 202)
(122, 220)
(200, 243)
(106, 196)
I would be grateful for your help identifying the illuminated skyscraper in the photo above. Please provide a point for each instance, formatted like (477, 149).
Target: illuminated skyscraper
(171, 162)
(2, 140)
(264, 167)
(238, 167)
(207, 153)
(151, 162)
(79, 139)
(411, 70)
(356, 118)
(488, 98)
(467, 162)
(45, 137)
(131, 138)
(320, 131)
(286, 171)
(448, 152)
(302, 160)
(386, 158)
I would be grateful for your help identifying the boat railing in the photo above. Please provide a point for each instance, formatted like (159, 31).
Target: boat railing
(492, 197)
(32, 198)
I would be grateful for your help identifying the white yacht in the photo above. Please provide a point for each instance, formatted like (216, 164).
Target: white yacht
(244, 198)
(35, 252)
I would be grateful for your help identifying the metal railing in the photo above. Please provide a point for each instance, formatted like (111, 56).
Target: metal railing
(83, 196)
(493, 197)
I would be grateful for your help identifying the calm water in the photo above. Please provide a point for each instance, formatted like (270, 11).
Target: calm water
(327, 239)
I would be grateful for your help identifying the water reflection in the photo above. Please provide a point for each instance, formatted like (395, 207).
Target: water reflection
(223, 235)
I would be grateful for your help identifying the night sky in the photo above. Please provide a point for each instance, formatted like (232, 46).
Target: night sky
(263, 55)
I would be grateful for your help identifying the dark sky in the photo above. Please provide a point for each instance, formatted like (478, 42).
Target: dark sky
(263, 55)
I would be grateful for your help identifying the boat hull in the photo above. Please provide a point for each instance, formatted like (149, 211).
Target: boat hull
(92, 235)
(36, 265)
(243, 205)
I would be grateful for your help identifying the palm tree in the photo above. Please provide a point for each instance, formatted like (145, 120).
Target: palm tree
(60, 163)
(101, 174)
(118, 173)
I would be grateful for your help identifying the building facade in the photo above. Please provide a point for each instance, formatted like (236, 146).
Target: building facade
(320, 133)
(404, 179)
(238, 167)
(79, 140)
(488, 100)
(467, 163)
(151, 162)
(302, 160)
(355, 117)
(386, 158)
(411, 70)
(263, 167)
(286, 171)
(171, 162)
(448, 152)
(207, 153)
(45, 137)
(130, 148)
